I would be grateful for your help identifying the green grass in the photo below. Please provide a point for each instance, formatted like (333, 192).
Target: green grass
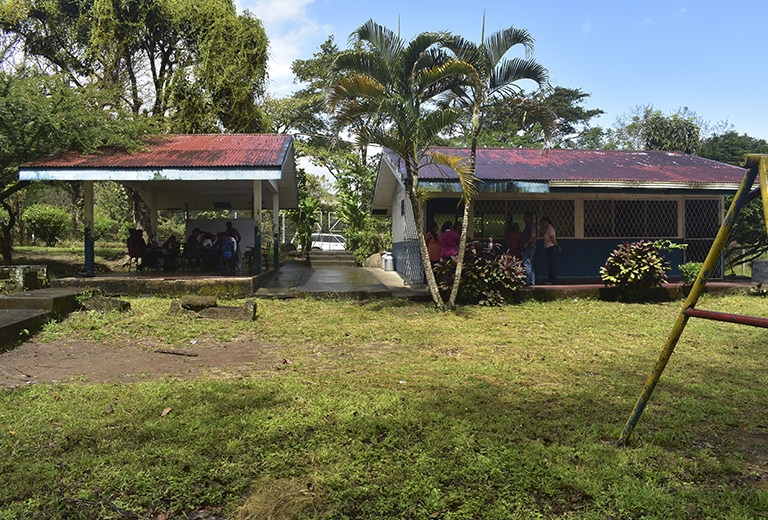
(390, 410)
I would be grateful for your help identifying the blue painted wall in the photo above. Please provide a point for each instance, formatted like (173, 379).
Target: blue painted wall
(580, 260)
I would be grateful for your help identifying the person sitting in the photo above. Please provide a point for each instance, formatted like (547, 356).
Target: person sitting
(228, 248)
(192, 248)
(449, 242)
(170, 250)
(136, 248)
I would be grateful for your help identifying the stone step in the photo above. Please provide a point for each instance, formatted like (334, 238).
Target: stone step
(340, 258)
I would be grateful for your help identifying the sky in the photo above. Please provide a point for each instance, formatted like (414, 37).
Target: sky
(709, 56)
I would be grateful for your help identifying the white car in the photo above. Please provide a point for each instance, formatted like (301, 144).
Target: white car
(327, 242)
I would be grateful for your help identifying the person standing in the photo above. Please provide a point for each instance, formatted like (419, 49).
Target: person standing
(515, 240)
(449, 242)
(529, 248)
(550, 244)
(433, 244)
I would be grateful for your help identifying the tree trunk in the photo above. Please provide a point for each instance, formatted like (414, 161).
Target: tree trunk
(6, 241)
(434, 290)
(464, 226)
(141, 215)
(460, 257)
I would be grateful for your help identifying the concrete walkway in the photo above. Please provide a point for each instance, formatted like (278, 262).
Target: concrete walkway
(296, 279)
(26, 312)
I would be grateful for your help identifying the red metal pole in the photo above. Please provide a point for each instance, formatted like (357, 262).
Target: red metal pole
(726, 317)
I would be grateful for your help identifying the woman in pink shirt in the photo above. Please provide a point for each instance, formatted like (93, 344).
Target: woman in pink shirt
(449, 241)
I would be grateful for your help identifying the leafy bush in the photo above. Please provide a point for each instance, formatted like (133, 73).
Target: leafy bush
(488, 277)
(47, 223)
(635, 268)
(689, 271)
(367, 241)
(105, 227)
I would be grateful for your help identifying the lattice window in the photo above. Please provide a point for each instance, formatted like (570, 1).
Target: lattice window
(702, 218)
(493, 217)
(702, 222)
(630, 218)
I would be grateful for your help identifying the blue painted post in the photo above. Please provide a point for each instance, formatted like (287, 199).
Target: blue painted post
(88, 238)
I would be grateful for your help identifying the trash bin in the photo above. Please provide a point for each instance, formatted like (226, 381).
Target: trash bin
(387, 262)
(760, 271)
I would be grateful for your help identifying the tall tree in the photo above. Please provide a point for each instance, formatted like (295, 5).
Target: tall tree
(42, 114)
(749, 240)
(495, 77)
(399, 80)
(170, 59)
(646, 128)
(195, 65)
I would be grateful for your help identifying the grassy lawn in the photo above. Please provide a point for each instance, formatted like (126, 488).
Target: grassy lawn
(387, 409)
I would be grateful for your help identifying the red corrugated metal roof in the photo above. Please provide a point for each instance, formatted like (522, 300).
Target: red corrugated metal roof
(183, 151)
(519, 164)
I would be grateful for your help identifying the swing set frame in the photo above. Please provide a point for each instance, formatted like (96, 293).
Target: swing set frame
(757, 165)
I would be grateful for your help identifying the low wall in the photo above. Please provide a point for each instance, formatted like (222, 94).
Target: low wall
(25, 276)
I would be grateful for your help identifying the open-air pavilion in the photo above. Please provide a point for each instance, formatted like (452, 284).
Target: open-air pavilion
(241, 172)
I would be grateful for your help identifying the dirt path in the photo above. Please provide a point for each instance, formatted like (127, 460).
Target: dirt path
(35, 362)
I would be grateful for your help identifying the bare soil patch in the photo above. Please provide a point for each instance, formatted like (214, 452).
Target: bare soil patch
(125, 361)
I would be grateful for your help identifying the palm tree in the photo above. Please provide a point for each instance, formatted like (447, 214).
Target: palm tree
(399, 81)
(494, 77)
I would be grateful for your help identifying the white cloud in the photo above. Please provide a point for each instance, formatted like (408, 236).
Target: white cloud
(291, 32)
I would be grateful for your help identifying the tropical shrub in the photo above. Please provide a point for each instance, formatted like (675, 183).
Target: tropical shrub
(47, 223)
(488, 277)
(634, 269)
(105, 228)
(689, 271)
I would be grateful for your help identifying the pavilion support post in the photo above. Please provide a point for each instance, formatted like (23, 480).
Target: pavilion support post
(257, 227)
(88, 234)
(153, 235)
(275, 229)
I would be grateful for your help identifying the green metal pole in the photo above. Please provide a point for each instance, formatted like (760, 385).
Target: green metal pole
(754, 163)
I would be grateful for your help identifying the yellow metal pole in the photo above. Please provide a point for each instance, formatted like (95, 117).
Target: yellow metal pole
(754, 163)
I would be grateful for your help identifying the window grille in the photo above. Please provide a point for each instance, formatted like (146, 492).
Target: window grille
(630, 218)
(702, 222)
(493, 216)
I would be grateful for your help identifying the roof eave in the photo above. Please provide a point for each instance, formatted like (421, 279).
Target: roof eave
(642, 185)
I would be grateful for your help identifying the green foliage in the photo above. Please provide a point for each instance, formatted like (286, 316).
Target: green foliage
(489, 278)
(48, 223)
(748, 239)
(105, 227)
(635, 268)
(194, 64)
(306, 220)
(690, 271)
(674, 133)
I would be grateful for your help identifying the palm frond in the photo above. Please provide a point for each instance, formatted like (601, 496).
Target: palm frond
(388, 44)
(363, 62)
(412, 58)
(518, 69)
(432, 124)
(535, 111)
(451, 74)
(500, 42)
(463, 169)
(354, 86)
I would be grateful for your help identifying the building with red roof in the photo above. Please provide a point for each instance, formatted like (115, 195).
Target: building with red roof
(596, 200)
